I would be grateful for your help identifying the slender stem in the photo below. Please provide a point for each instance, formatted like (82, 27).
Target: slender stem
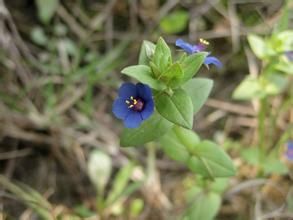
(151, 160)
(262, 128)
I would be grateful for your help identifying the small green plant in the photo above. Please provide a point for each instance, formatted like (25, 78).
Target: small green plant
(161, 108)
(110, 202)
(273, 79)
(169, 118)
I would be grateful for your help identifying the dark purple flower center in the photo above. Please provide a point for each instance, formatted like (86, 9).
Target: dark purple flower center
(202, 45)
(135, 104)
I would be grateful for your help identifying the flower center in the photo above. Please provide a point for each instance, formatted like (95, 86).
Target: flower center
(136, 104)
(202, 45)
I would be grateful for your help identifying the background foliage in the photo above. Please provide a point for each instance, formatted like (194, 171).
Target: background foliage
(61, 63)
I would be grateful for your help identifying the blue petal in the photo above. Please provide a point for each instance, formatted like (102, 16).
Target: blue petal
(290, 144)
(148, 109)
(213, 60)
(120, 108)
(144, 91)
(289, 55)
(127, 90)
(289, 152)
(132, 120)
(188, 48)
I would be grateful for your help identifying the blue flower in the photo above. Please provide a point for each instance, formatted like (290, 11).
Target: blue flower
(134, 104)
(289, 55)
(200, 47)
(289, 151)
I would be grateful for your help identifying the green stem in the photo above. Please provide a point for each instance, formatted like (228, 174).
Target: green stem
(261, 128)
(151, 160)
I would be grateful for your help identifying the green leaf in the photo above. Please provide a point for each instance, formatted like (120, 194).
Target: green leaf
(177, 108)
(136, 207)
(46, 9)
(172, 76)
(173, 147)
(146, 52)
(205, 206)
(151, 129)
(251, 155)
(283, 22)
(143, 74)
(285, 66)
(248, 89)
(283, 41)
(38, 36)
(162, 55)
(211, 161)
(199, 90)
(274, 83)
(219, 185)
(187, 137)
(174, 22)
(191, 64)
(178, 143)
(173, 71)
(257, 45)
(120, 183)
(274, 166)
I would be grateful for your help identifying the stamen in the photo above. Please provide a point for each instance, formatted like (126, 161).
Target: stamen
(131, 97)
(127, 102)
(131, 106)
(134, 101)
(203, 41)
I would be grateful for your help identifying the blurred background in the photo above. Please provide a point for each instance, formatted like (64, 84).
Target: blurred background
(60, 65)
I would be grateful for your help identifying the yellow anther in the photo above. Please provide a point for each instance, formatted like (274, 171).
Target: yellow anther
(130, 106)
(131, 97)
(127, 102)
(134, 101)
(203, 41)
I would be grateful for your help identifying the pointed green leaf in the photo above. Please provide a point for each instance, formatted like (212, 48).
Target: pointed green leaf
(257, 45)
(283, 22)
(151, 129)
(173, 147)
(146, 52)
(173, 71)
(199, 90)
(274, 83)
(178, 143)
(120, 183)
(274, 166)
(177, 108)
(204, 206)
(248, 89)
(174, 22)
(143, 74)
(46, 9)
(211, 161)
(187, 137)
(191, 64)
(162, 55)
(173, 75)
